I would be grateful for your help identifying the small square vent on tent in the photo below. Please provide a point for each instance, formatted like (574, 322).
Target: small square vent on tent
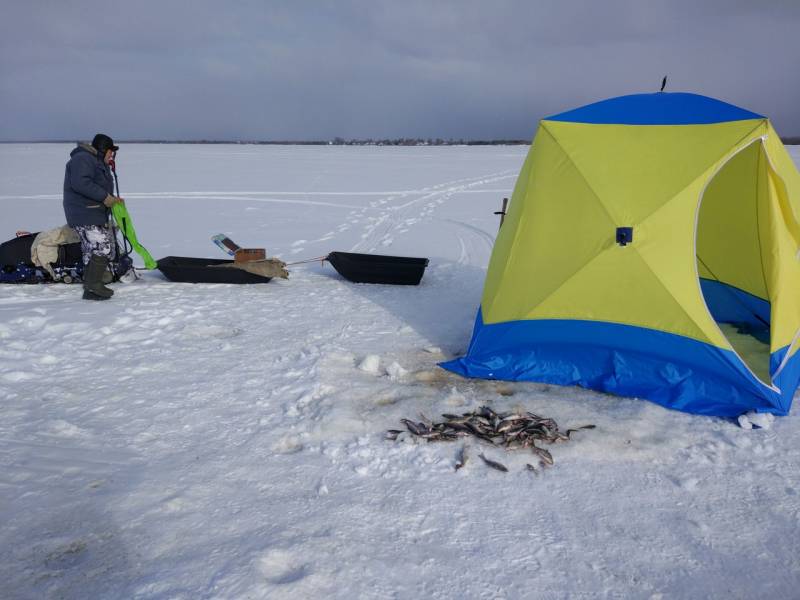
(624, 235)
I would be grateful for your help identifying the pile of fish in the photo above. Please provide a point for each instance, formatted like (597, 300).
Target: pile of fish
(512, 430)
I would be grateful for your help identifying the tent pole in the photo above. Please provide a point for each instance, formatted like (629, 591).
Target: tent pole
(502, 212)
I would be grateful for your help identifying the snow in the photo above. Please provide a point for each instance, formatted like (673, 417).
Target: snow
(752, 418)
(212, 441)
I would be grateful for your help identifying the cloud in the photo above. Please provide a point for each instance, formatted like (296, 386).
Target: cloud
(296, 70)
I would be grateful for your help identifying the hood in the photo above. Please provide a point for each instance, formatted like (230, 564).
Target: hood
(84, 147)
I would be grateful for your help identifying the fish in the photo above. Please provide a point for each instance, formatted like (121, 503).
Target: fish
(414, 427)
(493, 464)
(513, 417)
(514, 430)
(574, 429)
(461, 457)
(543, 454)
(506, 426)
(486, 412)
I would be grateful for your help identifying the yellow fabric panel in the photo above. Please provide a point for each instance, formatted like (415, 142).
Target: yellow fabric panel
(784, 166)
(732, 222)
(634, 169)
(785, 189)
(557, 226)
(783, 272)
(514, 216)
(788, 181)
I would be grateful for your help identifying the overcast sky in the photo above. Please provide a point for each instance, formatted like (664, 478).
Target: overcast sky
(306, 70)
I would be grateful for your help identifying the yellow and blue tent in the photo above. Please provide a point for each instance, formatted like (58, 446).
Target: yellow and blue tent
(645, 234)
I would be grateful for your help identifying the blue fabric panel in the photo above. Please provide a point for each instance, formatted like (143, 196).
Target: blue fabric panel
(788, 379)
(728, 304)
(671, 370)
(661, 108)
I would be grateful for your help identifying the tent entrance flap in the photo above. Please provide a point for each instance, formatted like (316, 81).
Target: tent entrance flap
(733, 249)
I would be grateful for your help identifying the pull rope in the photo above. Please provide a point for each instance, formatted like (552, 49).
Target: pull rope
(308, 260)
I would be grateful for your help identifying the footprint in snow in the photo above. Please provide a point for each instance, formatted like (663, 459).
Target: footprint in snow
(212, 331)
(65, 429)
(288, 444)
(281, 567)
(15, 376)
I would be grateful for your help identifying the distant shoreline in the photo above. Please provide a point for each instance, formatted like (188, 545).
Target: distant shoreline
(788, 140)
(334, 142)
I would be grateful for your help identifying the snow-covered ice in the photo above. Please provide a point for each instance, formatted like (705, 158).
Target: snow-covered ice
(213, 441)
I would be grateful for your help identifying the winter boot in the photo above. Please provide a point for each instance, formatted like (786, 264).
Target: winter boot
(93, 288)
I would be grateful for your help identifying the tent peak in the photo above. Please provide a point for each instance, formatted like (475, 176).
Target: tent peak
(659, 108)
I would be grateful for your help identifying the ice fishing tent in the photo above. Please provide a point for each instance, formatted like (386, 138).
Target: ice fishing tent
(644, 234)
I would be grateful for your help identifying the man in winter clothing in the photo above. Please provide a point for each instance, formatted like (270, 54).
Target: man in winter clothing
(88, 198)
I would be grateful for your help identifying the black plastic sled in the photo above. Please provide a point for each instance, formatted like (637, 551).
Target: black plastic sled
(16, 265)
(184, 269)
(376, 268)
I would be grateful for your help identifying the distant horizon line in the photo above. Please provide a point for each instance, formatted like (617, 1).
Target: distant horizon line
(789, 140)
(401, 141)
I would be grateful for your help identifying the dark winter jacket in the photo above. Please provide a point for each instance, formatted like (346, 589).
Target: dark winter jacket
(87, 182)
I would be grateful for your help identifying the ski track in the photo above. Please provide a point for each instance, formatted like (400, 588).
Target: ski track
(478, 243)
(378, 231)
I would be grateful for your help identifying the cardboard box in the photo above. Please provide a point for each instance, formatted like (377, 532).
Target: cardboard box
(249, 254)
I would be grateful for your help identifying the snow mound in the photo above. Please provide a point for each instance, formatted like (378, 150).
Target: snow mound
(371, 364)
(760, 420)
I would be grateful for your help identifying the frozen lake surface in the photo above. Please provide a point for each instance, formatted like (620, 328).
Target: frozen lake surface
(202, 441)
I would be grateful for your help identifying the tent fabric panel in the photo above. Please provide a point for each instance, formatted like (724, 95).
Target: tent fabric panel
(789, 376)
(782, 266)
(649, 165)
(673, 371)
(784, 184)
(515, 215)
(661, 108)
(783, 164)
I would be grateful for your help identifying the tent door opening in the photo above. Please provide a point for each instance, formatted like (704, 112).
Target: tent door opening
(733, 255)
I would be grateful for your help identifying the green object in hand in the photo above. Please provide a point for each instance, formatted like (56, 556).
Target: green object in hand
(125, 225)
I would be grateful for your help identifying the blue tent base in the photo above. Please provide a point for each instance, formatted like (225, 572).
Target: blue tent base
(668, 369)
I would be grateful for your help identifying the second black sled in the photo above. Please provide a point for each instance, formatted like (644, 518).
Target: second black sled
(377, 268)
